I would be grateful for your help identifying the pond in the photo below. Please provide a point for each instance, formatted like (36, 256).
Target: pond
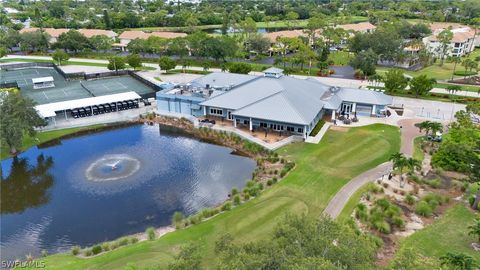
(97, 187)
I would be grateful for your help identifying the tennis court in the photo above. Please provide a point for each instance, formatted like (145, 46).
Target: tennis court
(69, 90)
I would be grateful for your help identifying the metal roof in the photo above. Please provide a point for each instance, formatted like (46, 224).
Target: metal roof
(364, 96)
(287, 99)
(48, 110)
(222, 80)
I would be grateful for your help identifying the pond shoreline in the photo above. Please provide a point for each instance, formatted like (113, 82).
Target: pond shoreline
(266, 167)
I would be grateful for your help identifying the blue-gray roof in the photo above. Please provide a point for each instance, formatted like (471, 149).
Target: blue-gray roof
(364, 96)
(222, 80)
(287, 99)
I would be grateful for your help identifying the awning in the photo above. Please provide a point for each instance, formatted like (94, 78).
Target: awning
(42, 79)
(48, 110)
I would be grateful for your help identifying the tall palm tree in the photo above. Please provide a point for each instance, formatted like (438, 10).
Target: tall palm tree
(399, 163)
(413, 164)
(424, 126)
(455, 60)
(435, 127)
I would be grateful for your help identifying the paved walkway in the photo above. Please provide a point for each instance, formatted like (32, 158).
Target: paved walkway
(408, 134)
(457, 93)
(317, 138)
(338, 202)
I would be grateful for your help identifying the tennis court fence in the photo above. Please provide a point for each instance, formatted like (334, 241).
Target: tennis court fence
(9, 85)
(88, 90)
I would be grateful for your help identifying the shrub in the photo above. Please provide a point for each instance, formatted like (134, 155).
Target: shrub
(361, 212)
(382, 226)
(88, 252)
(409, 199)
(133, 240)
(260, 186)
(398, 221)
(269, 182)
(373, 188)
(471, 200)
(423, 209)
(435, 183)
(250, 184)
(246, 196)
(177, 218)
(234, 191)
(206, 213)
(105, 246)
(75, 250)
(254, 191)
(96, 249)
(236, 200)
(151, 234)
(226, 206)
(122, 241)
(274, 180)
(385, 185)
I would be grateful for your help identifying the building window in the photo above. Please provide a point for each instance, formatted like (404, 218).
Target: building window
(214, 111)
(246, 122)
(300, 130)
(291, 129)
(264, 125)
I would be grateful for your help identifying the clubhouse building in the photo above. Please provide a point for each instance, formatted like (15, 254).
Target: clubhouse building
(272, 102)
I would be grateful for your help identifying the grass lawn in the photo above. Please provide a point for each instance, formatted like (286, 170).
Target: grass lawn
(417, 148)
(351, 204)
(77, 63)
(470, 88)
(321, 170)
(50, 61)
(436, 71)
(43, 137)
(340, 58)
(447, 234)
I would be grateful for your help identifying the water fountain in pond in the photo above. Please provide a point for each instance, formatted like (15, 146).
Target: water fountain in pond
(112, 167)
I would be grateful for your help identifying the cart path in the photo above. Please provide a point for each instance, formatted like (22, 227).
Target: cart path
(338, 202)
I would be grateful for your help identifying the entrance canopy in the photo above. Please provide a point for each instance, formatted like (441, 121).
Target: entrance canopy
(48, 110)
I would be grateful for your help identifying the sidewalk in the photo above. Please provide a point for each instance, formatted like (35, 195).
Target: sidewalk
(457, 93)
(317, 138)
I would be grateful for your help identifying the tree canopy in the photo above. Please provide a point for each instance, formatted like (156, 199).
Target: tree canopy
(19, 118)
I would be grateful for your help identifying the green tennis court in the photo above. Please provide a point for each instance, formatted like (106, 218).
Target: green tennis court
(69, 90)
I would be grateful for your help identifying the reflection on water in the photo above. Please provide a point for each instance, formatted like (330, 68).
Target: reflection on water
(109, 184)
(26, 186)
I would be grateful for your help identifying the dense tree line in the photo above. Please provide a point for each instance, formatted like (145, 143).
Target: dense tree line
(118, 14)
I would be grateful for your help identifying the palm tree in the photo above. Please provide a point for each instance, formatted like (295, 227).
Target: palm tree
(455, 60)
(458, 261)
(413, 164)
(425, 125)
(399, 163)
(474, 229)
(435, 127)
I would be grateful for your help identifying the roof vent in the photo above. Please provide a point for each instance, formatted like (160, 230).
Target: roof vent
(273, 72)
(334, 89)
